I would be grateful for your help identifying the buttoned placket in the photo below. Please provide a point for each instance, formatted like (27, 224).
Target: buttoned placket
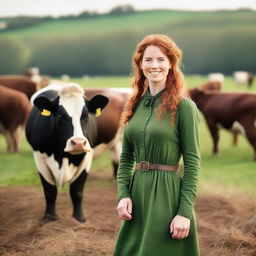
(148, 103)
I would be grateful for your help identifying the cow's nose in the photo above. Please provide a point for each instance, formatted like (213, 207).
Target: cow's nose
(78, 142)
(77, 145)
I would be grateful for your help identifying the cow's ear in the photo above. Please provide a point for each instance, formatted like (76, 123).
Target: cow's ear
(50, 104)
(98, 101)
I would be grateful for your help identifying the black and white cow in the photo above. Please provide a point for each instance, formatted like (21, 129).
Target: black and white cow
(61, 128)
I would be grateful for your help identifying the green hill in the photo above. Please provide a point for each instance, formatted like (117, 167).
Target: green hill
(211, 42)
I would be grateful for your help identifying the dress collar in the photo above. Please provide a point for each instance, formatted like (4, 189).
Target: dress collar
(149, 99)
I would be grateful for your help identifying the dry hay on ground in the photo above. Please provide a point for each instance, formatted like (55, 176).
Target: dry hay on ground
(226, 226)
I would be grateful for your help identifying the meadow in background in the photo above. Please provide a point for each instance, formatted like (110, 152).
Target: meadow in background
(216, 41)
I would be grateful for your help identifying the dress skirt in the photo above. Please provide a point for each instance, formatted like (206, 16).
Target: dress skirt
(155, 198)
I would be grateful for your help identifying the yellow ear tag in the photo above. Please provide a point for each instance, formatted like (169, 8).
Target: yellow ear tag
(98, 112)
(45, 112)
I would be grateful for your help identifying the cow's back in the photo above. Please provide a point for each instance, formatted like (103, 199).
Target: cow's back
(225, 108)
(14, 108)
(19, 83)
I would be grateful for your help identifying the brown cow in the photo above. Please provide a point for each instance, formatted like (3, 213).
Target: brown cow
(228, 110)
(20, 83)
(215, 87)
(110, 136)
(14, 110)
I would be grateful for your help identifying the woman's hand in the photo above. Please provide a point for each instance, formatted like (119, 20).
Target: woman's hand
(124, 208)
(179, 227)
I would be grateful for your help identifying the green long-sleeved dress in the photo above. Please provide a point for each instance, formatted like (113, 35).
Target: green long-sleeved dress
(158, 195)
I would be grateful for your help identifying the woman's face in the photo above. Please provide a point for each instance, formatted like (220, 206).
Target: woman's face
(155, 65)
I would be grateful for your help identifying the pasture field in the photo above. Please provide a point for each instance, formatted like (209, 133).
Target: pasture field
(151, 20)
(232, 170)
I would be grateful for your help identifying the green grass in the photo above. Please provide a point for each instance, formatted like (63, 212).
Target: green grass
(231, 171)
(104, 24)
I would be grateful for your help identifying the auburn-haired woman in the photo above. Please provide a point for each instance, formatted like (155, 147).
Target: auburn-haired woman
(161, 125)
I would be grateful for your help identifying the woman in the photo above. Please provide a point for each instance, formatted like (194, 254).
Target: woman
(156, 204)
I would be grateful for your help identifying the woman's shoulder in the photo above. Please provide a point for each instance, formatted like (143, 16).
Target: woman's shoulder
(187, 110)
(186, 103)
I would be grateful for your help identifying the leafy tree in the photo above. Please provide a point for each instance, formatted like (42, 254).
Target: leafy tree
(14, 56)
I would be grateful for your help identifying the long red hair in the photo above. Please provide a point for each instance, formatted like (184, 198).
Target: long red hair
(174, 82)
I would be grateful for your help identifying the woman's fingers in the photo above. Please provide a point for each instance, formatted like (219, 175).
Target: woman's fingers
(180, 233)
(130, 207)
(124, 208)
(179, 227)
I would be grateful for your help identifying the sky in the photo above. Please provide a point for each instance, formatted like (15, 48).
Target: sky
(65, 7)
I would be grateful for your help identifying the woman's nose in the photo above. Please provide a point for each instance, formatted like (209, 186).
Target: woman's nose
(155, 64)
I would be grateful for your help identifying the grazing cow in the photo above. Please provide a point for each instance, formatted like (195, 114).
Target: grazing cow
(228, 110)
(216, 77)
(109, 130)
(19, 83)
(215, 87)
(61, 129)
(14, 110)
(243, 77)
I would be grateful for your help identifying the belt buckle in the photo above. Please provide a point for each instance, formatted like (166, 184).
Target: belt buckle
(144, 166)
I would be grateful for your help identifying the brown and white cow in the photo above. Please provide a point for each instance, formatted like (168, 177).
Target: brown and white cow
(19, 83)
(14, 110)
(228, 110)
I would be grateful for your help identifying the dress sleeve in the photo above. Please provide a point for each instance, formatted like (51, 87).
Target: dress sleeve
(125, 169)
(189, 139)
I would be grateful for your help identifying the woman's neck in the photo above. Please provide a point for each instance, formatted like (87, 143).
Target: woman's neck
(155, 89)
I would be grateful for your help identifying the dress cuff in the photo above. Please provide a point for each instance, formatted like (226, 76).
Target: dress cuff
(123, 196)
(185, 212)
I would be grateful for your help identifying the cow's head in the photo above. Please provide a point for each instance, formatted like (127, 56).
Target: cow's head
(69, 110)
(196, 93)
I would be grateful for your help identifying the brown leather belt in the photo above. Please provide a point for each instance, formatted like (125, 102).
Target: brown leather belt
(146, 166)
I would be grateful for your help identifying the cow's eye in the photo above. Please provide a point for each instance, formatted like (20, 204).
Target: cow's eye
(84, 117)
(61, 117)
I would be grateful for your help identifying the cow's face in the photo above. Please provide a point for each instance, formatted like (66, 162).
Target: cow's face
(70, 111)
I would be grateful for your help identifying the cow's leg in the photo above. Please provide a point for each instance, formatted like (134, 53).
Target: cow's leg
(17, 137)
(235, 137)
(76, 193)
(9, 142)
(115, 167)
(116, 149)
(215, 134)
(50, 193)
(251, 136)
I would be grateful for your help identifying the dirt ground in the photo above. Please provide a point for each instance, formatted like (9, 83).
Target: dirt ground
(226, 226)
